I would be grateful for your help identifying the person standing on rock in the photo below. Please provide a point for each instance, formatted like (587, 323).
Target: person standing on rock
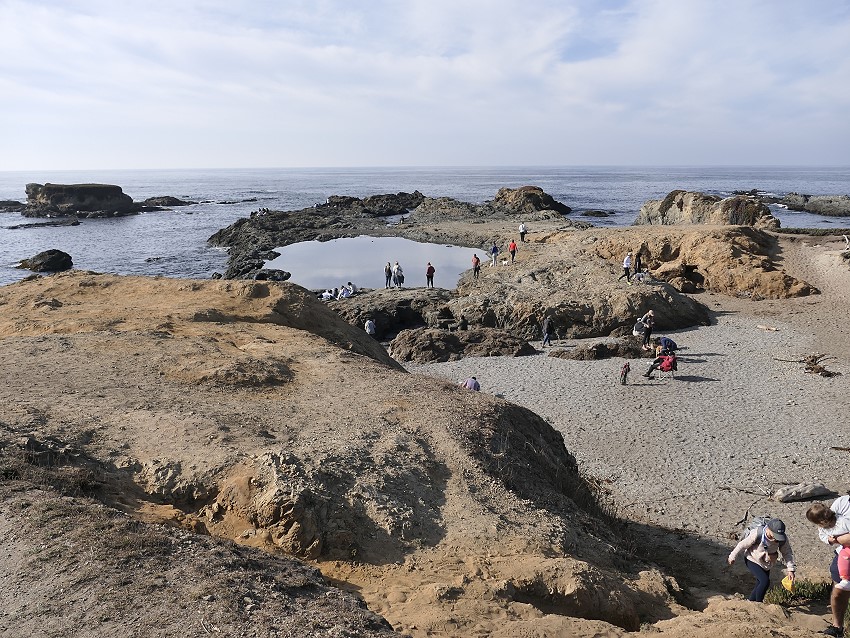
(522, 231)
(398, 275)
(429, 276)
(494, 253)
(637, 262)
(512, 250)
(476, 266)
(761, 547)
(388, 274)
(648, 321)
(547, 332)
(627, 268)
(834, 529)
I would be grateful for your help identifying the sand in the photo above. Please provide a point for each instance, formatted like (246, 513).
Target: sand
(740, 419)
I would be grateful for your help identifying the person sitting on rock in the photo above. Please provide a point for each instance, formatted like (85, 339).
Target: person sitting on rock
(327, 295)
(352, 288)
(370, 327)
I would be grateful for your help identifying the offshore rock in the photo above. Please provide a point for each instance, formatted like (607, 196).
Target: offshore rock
(12, 206)
(52, 260)
(528, 199)
(683, 207)
(829, 205)
(81, 200)
(166, 201)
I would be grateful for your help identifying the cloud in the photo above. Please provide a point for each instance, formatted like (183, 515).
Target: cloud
(442, 82)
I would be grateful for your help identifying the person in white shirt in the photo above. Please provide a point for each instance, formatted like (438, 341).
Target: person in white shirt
(627, 268)
(370, 327)
(834, 529)
(398, 275)
(522, 231)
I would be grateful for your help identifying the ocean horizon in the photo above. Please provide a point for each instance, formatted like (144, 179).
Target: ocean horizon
(174, 243)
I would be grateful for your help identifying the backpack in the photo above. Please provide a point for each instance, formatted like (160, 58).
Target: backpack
(638, 329)
(759, 523)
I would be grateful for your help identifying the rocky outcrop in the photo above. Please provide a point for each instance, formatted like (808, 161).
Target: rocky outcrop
(375, 205)
(737, 261)
(626, 348)
(829, 205)
(426, 345)
(81, 200)
(166, 201)
(528, 199)
(12, 206)
(344, 216)
(251, 239)
(395, 310)
(52, 260)
(683, 207)
(271, 274)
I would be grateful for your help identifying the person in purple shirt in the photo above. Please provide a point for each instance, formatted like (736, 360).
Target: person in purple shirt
(471, 384)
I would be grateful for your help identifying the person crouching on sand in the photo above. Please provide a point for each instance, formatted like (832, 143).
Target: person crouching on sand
(761, 547)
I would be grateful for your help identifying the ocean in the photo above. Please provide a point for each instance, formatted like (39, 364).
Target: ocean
(174, 243)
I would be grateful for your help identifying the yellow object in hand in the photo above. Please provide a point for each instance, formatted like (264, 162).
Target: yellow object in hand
(788, 584)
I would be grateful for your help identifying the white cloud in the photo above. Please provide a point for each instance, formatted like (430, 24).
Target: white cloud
(92, 83)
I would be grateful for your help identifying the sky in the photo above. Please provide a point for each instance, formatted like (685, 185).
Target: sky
(111, 84)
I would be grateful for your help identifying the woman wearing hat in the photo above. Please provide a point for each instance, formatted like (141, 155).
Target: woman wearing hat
(761, 547)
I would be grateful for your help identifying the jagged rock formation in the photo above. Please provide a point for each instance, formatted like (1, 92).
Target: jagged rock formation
(683, 207)
(81, 200)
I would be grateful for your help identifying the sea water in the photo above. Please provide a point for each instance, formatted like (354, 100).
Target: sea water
(174, 243)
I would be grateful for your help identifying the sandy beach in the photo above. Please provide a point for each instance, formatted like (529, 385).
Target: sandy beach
(741, 418)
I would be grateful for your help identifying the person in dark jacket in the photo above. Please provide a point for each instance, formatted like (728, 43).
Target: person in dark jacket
(548, 329)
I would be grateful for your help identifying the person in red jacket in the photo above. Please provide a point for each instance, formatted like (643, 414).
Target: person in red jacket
(665, 363)
(512, 250)
(429, 276)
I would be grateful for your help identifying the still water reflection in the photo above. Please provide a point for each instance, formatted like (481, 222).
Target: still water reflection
(361, 260)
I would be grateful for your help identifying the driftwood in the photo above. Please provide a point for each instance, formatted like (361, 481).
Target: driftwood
(813, 364)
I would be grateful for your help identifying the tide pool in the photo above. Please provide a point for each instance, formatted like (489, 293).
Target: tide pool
(361, 260)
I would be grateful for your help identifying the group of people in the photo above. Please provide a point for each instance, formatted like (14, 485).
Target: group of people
(495, 251)
(644, 327)
(765, 543)
(639, 273)
(665, 356)
(394, 275)
(343, 292)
